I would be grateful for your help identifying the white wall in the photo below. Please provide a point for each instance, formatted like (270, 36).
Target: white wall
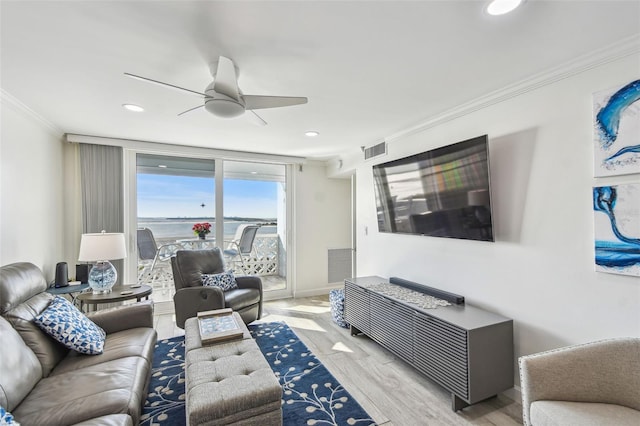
(323, 222)
(31, 186)
(540, 271)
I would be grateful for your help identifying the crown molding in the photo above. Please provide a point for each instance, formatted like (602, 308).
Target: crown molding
(625, 47)
(9, 99)
(161, 148)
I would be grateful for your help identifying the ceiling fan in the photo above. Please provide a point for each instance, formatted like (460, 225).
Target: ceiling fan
(223, 98)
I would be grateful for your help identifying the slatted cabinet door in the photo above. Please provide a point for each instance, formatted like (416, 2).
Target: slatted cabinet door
(392, 326)
(357, 307)
(444, 355)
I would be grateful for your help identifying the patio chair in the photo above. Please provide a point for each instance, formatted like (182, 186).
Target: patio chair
(241, 246)
(154, 262)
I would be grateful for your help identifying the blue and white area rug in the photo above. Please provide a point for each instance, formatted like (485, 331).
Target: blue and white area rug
(166, 398)
(311, 395)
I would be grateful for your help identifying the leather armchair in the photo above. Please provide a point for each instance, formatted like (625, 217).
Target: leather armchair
(192, 297)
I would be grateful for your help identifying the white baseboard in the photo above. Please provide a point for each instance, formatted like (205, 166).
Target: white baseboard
(513, 393)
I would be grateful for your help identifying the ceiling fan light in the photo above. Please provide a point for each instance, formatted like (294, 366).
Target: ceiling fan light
(132, 107)
(501, 7)
(224, 108)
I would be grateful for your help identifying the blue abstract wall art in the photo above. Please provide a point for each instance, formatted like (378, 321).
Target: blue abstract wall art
(617, 130)
(617, 228)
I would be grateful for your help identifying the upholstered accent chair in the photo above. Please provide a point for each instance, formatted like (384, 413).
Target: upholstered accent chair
(588, 385)
(192, 296)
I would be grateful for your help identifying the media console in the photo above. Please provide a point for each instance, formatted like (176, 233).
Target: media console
(466, 350)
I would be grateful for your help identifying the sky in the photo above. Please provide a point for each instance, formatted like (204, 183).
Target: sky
(183, 196)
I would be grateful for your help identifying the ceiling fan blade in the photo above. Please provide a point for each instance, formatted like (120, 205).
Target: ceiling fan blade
(190, 109)
(261, 102)
(226, 81)
(256, 119)
(159, 83)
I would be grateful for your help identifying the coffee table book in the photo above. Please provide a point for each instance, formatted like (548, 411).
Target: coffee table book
(218, 325)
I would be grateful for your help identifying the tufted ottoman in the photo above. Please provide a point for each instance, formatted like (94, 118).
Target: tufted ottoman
(230, 384)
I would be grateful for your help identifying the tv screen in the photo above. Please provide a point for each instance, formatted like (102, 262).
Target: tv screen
(443, 192)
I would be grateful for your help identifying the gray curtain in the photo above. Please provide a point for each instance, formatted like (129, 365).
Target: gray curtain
(102, 192)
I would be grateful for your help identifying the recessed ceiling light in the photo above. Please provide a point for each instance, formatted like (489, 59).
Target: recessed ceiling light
(162, 166)
(312, 133)
(254, 173)
(500, 7)
(132, 107)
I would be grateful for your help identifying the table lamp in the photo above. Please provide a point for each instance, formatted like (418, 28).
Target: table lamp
(101, 248)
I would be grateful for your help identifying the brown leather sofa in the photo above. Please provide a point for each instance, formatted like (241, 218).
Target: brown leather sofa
(191, 297)
(44, 383)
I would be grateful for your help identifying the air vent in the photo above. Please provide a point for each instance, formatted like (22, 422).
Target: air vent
(375, 150)
(340, 264)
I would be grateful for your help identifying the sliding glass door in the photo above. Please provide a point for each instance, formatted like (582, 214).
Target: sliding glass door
(170, 195)
(173, 195)
(254, 202)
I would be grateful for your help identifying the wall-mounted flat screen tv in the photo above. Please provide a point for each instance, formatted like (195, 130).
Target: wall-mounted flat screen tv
(443, 192)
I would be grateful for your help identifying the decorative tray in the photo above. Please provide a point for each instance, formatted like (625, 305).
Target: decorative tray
(218, 325)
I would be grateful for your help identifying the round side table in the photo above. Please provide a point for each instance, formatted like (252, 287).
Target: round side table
(118, 293)
(72, 290)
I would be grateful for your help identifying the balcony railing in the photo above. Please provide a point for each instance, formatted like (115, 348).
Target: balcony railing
(263, 260)
(266, 260)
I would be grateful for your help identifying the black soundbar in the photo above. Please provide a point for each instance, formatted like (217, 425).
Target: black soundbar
(440, 294)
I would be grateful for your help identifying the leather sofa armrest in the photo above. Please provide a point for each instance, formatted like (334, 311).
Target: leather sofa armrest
(124, 317)
(249, 282)
(252, 282)
(188, 301)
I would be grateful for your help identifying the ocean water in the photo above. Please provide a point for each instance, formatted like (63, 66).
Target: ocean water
(177, 229)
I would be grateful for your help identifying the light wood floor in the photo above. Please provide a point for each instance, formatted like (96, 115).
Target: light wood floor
(390, 390)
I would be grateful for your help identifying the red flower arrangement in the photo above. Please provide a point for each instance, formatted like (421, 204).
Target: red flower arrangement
(201, 228)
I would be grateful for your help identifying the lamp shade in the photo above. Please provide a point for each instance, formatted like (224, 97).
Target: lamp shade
(102, 246)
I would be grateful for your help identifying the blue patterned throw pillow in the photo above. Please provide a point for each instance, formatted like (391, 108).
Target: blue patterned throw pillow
(65, 323)
(6, 418)
(226, 281)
